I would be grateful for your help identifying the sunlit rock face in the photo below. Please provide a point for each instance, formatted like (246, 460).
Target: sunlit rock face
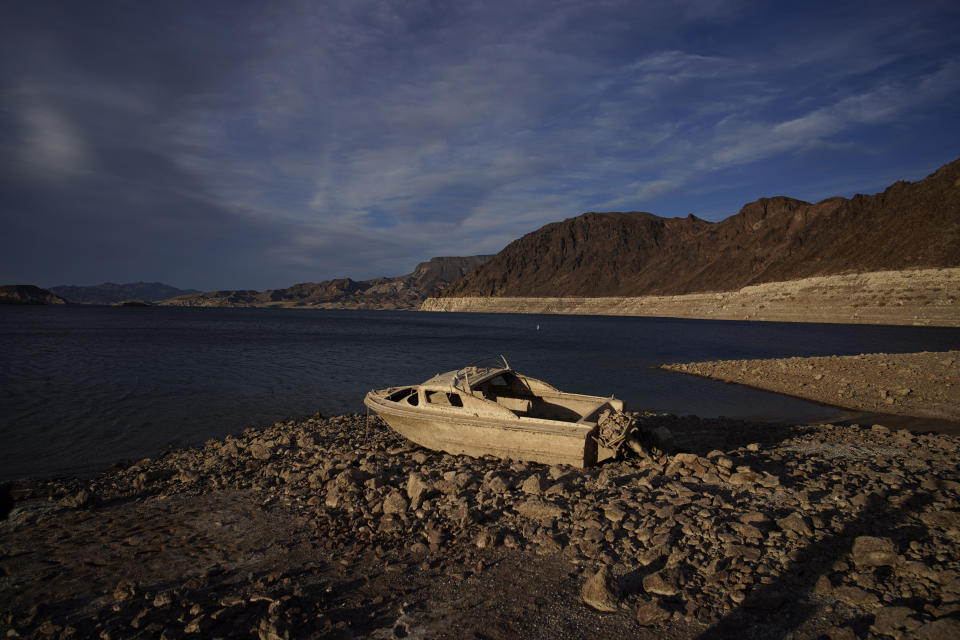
(908, 226)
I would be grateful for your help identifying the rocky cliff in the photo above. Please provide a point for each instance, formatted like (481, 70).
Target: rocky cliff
(404, 292)
(908, 226)
(28, 294)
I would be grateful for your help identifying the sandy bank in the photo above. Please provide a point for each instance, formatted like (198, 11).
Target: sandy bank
(923, 384)
(333, 528)
(914, 297)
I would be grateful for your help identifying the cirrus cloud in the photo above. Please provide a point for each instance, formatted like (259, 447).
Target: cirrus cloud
(247, 145)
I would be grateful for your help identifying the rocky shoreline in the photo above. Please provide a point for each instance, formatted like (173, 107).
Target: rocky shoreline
(338, 528)
(925, 384)
(910, 297)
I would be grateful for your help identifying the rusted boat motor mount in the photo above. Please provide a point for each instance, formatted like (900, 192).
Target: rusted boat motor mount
(617, 433)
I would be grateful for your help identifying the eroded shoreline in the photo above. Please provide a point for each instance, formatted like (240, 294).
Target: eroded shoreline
(920, 297)
(333, 527)
(924, 385)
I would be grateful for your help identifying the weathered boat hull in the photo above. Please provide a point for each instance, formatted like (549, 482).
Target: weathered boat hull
(532, 440)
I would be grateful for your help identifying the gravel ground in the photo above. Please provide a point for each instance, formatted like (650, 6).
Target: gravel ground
(925, 384)
(338, 528)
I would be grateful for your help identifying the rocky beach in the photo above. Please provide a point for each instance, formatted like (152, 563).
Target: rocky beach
(923, 384)
(728, 231)
(336, 527)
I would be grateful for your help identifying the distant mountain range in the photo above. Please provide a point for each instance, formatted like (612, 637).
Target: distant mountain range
(909, 225)
(109, 293)
(404, 292)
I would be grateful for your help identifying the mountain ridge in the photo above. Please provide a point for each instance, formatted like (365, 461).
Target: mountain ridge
(110, 292)
(402, 292)
(907, 226)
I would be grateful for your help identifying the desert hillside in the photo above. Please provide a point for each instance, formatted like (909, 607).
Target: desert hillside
(908, 226)
(926, 297)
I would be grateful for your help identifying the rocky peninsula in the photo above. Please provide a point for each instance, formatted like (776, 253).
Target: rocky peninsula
(338, 528)
(923, 384)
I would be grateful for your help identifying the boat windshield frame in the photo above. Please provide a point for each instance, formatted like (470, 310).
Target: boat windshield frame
(480, 370)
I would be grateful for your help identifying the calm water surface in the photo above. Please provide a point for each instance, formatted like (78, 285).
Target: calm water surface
(81, 387)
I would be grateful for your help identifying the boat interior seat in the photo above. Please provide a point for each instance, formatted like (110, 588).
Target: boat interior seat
(517, 405)
(591, 415)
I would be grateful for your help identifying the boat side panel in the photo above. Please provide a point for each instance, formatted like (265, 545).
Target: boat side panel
(478, 440)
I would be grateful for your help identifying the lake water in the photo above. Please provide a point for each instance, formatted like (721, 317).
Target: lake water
(82, 387)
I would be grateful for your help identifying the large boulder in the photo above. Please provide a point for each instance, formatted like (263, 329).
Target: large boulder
(417, 488)
(601, 591)
(869, 552)
(395, 503)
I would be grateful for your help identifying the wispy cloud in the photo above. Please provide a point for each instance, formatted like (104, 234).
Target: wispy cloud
(50, 146)
(746, 141)
(257, 145)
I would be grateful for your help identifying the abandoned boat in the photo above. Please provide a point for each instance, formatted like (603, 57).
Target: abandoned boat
(488, 408)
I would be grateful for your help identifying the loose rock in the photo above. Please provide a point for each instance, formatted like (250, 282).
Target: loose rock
(869, 552)
(601, 592)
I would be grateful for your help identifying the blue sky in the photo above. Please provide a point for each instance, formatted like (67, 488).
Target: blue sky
(259, 144)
